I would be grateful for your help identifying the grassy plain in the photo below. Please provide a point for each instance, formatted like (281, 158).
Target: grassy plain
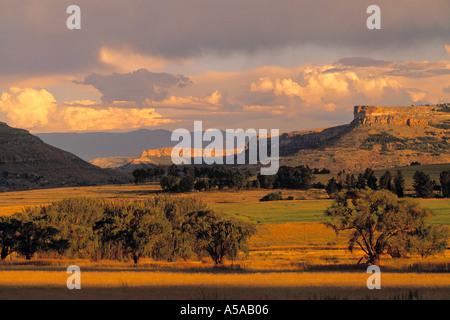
(213, 286)
(292, 256)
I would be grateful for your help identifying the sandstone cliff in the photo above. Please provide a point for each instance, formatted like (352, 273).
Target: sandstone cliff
(391, 116)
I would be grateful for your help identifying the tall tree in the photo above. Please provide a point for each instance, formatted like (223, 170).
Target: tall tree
(220, 237)
(333, 186)
(361, 182)
(444, 179)
(385, 181)
(378, 221)
(132, 227)
(34, 234)
(399, 184)
(423, 185)
(371, 179)
(8, 235)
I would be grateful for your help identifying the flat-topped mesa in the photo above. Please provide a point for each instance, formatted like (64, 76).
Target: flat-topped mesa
(379, 115)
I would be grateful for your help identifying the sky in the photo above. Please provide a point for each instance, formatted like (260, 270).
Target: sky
(263, 64)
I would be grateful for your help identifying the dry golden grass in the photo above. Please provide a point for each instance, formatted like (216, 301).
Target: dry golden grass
(278, 251)
(257, 279)
(182, 285)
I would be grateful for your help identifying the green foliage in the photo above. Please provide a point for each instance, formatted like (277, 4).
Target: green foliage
(385, 182)
(273, 196)
(202, 184)
(161, 227)
(371, 179)
(141, 175)
(186, 183)
(293, 177)
(220, 237)
(399, 184)
(8, 228)
(266, 181)
(444, 179)
(423, 185)
(425, 240)
(381, 223)
(132, 227)
(333, 186)
(169, 183)
(29, 233)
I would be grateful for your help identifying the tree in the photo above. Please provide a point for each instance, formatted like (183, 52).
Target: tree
(220, 237)
(132, 227)
(423, 185)
(350, 182)
(428, 240)
(379, 221)
(140, 175)
(173, 171)
(399, 184)
(202, 184)
(169, 183)
(333, 186)
(34, 235)
(8, 230)
(361, 182)
(369, 176)
(294, 178)
(186, 184)
(266, 181)
(385, 181)
(444, 179)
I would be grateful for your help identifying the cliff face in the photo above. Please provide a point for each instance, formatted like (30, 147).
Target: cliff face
(378, 138)
(390, 116)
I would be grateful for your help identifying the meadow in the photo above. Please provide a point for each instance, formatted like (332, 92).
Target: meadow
(292, 256)
(214, 286)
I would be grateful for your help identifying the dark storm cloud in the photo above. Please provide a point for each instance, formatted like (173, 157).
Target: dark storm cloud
(420, 69)
(34, 38)
(363, 62)
(135, 86)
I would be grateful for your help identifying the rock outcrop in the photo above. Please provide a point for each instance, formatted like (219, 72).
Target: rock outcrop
(380, 115)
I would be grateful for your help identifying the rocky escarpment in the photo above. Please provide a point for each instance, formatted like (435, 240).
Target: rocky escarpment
(390, 116)
(292, 142)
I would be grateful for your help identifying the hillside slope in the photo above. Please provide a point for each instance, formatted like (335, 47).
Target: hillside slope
(28, 163)
(378, 137)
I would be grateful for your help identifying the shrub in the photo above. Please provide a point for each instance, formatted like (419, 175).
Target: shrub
(273, 196)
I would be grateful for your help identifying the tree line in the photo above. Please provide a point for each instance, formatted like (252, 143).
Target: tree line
(161, 227)
(423, 185)
(205, 178)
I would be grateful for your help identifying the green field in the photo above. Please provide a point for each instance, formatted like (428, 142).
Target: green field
(308, 206)
(311, 210)
(278, 211)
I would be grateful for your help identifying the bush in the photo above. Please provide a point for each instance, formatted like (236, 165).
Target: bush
(169, 183)
(186, 184)
(161, 227)
(273, 196)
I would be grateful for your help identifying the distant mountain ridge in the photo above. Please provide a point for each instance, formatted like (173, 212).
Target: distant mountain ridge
(378, 137)
(91, 145)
